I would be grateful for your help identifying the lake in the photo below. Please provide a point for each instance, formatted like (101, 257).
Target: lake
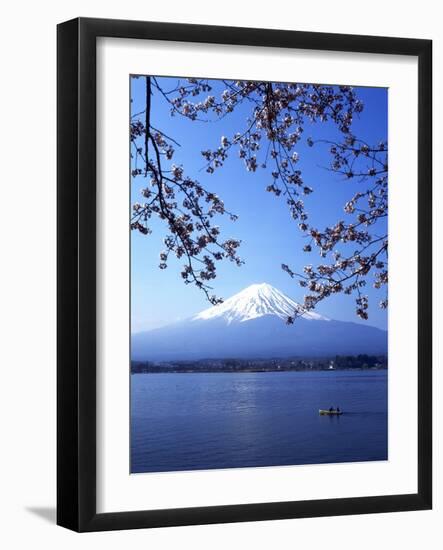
(199, 421)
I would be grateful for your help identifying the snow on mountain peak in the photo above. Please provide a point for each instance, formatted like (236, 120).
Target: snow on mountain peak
(256, 301)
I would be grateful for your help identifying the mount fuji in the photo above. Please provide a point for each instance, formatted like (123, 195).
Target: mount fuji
(252, 324)
(253, 302)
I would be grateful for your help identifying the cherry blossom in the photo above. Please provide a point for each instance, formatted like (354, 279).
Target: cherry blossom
(352, 251)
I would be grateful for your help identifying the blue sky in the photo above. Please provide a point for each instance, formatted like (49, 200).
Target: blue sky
(269, 235)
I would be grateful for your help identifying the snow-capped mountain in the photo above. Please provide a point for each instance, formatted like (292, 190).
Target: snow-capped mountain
(253, 302)
(252, 324)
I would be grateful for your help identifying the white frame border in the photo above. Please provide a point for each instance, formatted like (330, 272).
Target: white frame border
(116, 489)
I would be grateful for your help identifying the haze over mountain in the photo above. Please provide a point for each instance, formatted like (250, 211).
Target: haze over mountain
(252, 324)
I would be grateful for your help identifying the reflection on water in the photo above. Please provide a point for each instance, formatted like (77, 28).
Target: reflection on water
(195, 421)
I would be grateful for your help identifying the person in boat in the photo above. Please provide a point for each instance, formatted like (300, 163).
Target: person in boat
(338, 409)
(331, 409)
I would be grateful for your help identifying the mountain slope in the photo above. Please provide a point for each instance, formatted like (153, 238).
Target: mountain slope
(253, 302)
(251, 324)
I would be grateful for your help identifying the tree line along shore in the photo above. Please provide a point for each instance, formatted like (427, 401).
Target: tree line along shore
(339, 362)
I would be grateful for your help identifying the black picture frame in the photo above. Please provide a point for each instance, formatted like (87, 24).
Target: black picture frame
(76, 264)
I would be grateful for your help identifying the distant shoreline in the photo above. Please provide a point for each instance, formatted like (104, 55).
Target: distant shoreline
(341, 363)
(215, 371)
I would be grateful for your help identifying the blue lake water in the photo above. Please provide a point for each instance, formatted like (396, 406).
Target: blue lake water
(199, 421)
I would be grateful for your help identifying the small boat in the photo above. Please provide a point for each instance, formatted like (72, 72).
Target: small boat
(331, 413)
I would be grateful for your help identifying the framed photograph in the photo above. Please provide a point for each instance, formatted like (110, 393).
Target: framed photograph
(244, 274)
